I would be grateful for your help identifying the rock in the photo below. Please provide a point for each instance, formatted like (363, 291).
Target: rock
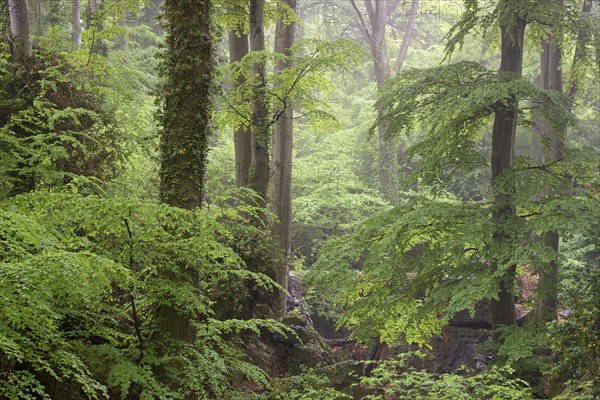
(293, 300)
(481, 319)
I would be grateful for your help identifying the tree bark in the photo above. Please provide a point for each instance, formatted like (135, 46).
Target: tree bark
(553, 139)
(76, 21)
(260, 124)
(503, 140)
(238, 49)
(20, 28)
(187, 74)
(281, 165)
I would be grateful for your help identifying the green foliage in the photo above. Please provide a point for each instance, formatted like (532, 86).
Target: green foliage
(407, 271)
(54, 126)
(451, 104)
(392, 380)
(82, 280)
(309, 385)
(296, 86)
(575, 338)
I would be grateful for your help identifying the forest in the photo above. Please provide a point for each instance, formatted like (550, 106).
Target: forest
(300, 199)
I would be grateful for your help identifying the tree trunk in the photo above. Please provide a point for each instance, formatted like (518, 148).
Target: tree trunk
(238, 48)
(281, 188)
(260, 123)
(187, 78)
(553, 138)
(410, 27)
(374, 32)
(76, 21)
(20, 28)
(95, 24)
(503, 140)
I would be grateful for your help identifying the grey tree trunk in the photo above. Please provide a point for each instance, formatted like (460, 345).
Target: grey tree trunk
(238, 49)
(260, 110)
(20, 28)
(76, 21)
(503, 141)
(281, 188)
(553, 139)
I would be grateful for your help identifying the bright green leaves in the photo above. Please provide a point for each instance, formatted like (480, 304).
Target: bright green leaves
(300, 85)
(393, 379)
(451, 104)
(82, 278)
(407, 271)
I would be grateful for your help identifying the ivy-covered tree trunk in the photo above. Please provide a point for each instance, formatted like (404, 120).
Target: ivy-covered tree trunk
(187, 73)
(260, 109)
(512, 27)
(20, 28)
(281, 188)
(238, 49)
(552, 149)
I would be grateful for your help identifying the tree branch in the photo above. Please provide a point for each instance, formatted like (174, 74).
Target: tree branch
(412, 19)
(363, 22)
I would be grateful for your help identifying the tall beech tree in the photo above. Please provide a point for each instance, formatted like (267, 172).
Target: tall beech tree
(512, 28)
(281, 167)
(374, 30)
(551, 78)
(238, 49)
(185, 99)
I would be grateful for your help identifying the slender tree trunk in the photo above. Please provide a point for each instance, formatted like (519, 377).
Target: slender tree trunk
(95, 24)
(410, 27)
(20, 28)
(281, 188)
(187, 74)
(503, 140)
(76, 21)
(260, 110)
(553, 138)
(238, 48)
